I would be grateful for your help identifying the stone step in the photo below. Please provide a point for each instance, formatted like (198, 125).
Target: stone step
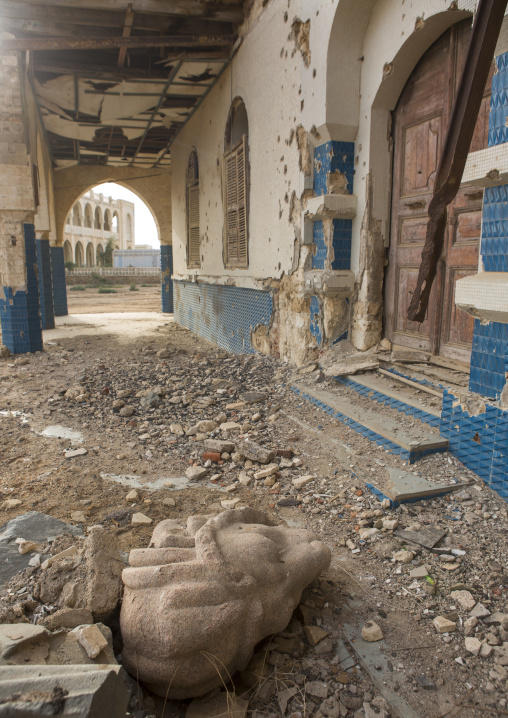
(376, 389)
(388, 430)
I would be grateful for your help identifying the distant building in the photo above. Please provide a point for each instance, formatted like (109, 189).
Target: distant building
(92, 221)
(143, 256)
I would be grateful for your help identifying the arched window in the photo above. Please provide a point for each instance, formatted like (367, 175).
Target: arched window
(115, 225)
(98, 218)
(193, 237)
(88, 216)
(107, 221)
(68, 251)
(99, 257)
(236, 187)
(79, 255)
(90, 255)
(76, 215)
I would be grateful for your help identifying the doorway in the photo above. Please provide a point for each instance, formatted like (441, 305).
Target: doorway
(420, 120)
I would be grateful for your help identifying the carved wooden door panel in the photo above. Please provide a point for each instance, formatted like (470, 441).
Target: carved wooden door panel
(420, 121)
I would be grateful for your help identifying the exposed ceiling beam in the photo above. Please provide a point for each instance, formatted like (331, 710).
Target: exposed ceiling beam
(100, 43)
(127, 28)
(178, 8)
(99, 72)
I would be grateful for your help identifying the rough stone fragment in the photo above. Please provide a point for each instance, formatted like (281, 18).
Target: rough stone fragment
(472, 645)
(58, 556)
(67, 618)
(254, 452)
(317, 689)
(195, 473)
(78, 516)
(228, 426)
(239, 592)
(372, 632)
(140, 519)
(132, 495)
(27, 546)
(264, 473)
(219, 446)
(315, 634)
(485, 650)
(465, 599)
(254, 397)
(302, 481)
(150, 401)
(419, 572)
(11, 503)
(202, 427)
(126, 410)
(479, 611)
(230, 503)
(72, 454)
(470, 625)
(444, 625)
(404, 556)
(91, 639)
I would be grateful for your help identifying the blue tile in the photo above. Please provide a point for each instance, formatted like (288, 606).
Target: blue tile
(224, 315)
(333, 156)
(45, 283)
(166, 282)
(59, 283)
(315, 322)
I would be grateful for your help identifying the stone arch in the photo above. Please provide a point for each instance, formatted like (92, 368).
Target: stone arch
(79, 257)
(237, 124)
(115, 222)
(152, 186)
(108, 225)
(98, 255)
(68, 254)
(90, 255)
(88, 222)
(77, 215)
(98, 218)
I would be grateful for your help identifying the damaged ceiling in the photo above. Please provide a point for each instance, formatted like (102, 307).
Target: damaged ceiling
(116, 81)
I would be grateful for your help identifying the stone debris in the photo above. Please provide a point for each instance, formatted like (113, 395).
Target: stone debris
(91, 639)
(372, 632)
(139, 519)
(444, 625)
(57, 557)
(73, 453)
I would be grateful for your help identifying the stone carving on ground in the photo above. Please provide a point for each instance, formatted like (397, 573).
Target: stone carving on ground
(199, 599)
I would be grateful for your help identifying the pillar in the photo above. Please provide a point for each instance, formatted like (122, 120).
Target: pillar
(45, 284)
(59, 284)
(19, 290)
(167, 284)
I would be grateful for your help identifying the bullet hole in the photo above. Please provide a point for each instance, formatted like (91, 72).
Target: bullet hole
(285, 17)
(476, 438)
(314, 73)
(13, 241)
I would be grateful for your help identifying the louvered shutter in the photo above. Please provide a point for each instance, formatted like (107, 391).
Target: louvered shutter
(235, 171)
(193, 257)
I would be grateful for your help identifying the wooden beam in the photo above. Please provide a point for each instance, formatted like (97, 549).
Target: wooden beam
(127, 28)
(178, 8)
(99, 72)
(101, 43)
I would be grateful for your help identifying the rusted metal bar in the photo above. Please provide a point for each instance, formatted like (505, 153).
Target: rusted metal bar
(106, 43)
(486, 28)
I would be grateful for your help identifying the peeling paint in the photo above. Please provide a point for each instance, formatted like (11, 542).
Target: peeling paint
(336, 183)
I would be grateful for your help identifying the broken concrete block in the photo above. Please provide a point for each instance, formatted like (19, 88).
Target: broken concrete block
(472, 645)
(264, 473)
(302, 481)
(443, 625)
(67, 618)
(238, 593)
(70, 690)
(314, 634)
(230, 503)
(419, 572)
(58, 556)
(195, 473)
(479, 611)
(403, 556)
(255, 452)
(72, 454)
(139, 519)
(372, 632)
(352, 365)
(219, 446)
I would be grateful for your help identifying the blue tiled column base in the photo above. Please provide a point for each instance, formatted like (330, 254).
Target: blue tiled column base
(45, 284)
(480, 442)
(341, 243)
(166, 283)
(489, 358)
(333, 156)
(20, 314)
(223, 315)
(59, 283)
(315, 327)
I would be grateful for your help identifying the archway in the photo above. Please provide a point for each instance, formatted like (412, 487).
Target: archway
(67, 248)
(99, 255)
(78, 254)
(98, 218)
(107, 221)
(115, 223)
(90, 255)
(77, 215)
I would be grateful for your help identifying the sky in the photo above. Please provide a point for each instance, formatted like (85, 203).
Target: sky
(145, 228)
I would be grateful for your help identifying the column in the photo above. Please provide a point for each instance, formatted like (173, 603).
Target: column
(167, 284)
(59, 283)
(45, 284)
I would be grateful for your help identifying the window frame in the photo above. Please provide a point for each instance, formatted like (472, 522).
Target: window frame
(192, 212)
(236, 208)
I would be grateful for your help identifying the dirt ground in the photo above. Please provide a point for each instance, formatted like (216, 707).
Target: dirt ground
(90, 301)
(433, 674)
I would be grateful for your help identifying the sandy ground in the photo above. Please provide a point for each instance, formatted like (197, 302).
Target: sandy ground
(89, 301)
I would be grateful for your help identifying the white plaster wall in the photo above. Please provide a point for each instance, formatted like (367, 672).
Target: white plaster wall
(266, 74)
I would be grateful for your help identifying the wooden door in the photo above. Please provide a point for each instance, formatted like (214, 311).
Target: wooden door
(420, 121)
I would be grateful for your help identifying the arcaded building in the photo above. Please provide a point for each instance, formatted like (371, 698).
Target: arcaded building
(93, 220)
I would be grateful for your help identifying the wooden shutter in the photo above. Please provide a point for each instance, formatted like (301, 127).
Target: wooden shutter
(236, 192)
(193, 251)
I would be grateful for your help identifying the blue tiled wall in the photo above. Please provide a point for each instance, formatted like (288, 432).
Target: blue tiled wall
(342, 233)
(59, 283)
(20, 313)
(489, 356)
(45, 284)
(480, 442)
(167, 284)
(315, 327)
(333, 156)
(318, 237)
(223, 315)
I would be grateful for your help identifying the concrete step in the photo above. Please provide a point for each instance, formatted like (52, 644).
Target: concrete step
(377, 389)
(388, 429)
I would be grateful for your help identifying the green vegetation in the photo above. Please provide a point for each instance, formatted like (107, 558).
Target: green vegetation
(105, 258)
(106, 290)
(133, 287)
(144, 285)
(77, 288)
(70, 265)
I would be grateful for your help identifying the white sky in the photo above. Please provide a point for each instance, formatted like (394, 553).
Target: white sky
(145, 228)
